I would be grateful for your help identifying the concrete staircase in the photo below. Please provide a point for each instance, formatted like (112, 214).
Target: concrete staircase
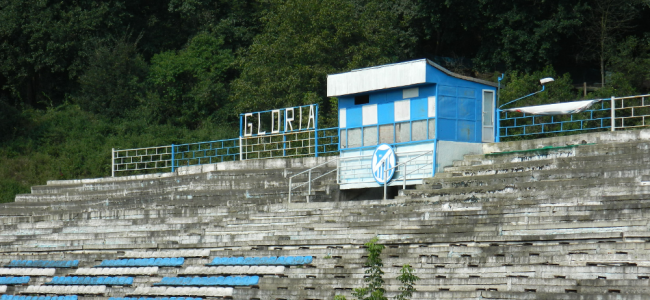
(569, 222)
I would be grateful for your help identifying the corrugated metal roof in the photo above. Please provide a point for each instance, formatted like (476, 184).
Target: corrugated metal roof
(387, 76)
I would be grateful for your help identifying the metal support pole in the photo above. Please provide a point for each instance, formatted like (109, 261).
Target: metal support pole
(385, 176)
(404, 181)
(309, 191)
(113, 162)
(289, 189)
(316, 132)
(613, 114)
(338, 170)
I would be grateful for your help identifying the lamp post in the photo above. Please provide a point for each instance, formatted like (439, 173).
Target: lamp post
(542, 81)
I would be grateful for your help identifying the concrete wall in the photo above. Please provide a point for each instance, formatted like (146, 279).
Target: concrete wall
(607, 137)
(253, 164)
(448, 151)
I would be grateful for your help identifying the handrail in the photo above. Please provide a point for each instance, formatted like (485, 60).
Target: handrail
(309, 180)
(397, 166)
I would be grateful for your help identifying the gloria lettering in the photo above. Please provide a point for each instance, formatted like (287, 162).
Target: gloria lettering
(279, 121)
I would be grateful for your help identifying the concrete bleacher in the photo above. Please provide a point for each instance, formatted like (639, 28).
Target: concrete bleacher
(522, 222)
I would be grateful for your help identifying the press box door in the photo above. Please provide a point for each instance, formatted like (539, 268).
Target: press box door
(488, 117)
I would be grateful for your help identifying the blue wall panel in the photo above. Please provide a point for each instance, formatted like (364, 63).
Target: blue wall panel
(466, 131)
(354, 116)
(467, 92)
(447, 107)
(446, 129)
(385, 113)
(419, 109)
(467, 109)
(445, 90)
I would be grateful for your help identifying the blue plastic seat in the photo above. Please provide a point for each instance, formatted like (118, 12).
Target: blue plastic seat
(281, 261)
(43, 263)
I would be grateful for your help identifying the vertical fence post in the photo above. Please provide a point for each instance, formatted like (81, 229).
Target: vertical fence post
(309, 190)
(613, 115)
(241, 152)
(113, 162)
(316, 133)
(497, 138)
(173, 169)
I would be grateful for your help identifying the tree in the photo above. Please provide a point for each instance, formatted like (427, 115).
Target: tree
(375, 289)
(189, 85)
(526, 36)
(304, 40)
(606, 21)
(408, 279)
(113, 82)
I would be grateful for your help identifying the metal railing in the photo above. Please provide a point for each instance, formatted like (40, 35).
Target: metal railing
(404, 173)
(515, 124)
(630, 112)
(168, 158)
(205, 153)
(309, 179)
(151, 158)
(607, 114)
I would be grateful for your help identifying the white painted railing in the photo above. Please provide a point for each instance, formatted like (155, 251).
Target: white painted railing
(404, 173)
(630, 112)
(141, 159)
(310, 179)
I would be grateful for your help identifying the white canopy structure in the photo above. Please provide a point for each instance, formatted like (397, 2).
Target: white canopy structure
(555, 109)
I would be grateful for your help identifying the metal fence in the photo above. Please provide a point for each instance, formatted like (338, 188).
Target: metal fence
(608, 114)
(167, 158)
(141, 159)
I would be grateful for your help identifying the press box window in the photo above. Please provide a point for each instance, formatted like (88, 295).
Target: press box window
(354, 138)
(363, 99)
(419, 130)
(370, 136)
(387, 134)
(403, 132)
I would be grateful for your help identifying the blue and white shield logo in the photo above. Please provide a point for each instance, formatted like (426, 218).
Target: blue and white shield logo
(383, 158)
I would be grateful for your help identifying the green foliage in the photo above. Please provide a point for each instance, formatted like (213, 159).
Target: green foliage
(519, 84)
(375, 288)
(408, 279)
(188, 83)
(304, 40)
(69, 143)
(339, 297)
(113, 82)
(526, 36)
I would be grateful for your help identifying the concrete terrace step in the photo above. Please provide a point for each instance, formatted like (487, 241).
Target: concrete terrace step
(577, 151)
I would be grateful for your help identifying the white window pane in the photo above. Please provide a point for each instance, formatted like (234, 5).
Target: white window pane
(342, 117)
(432, 129)
(354, 137)
(410, 93)
(432, 106)
(403, 131)
(369, 114)
(419, 130)
(402, 110)
(387, 134)
(370, 136)
(344, 138)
